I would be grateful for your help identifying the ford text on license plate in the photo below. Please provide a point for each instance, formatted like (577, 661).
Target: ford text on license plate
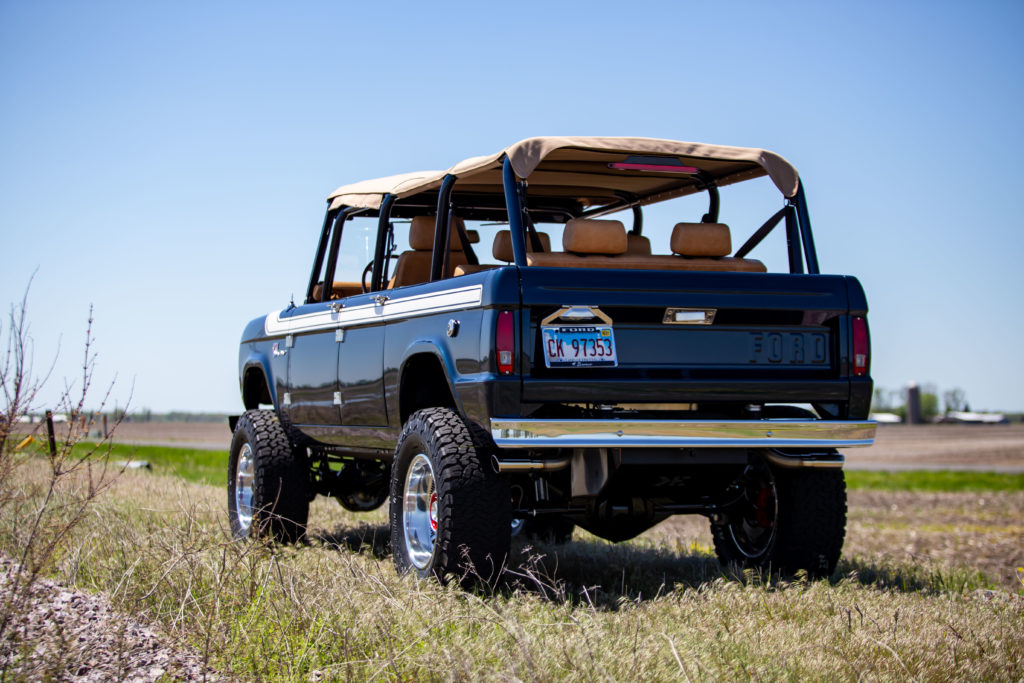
(578, 346)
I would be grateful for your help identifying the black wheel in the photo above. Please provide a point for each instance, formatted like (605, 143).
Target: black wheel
(547, 528)
(786, 520)
(268, 480)
(450, 512)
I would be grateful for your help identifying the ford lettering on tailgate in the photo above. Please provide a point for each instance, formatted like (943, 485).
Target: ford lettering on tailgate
(789, 348)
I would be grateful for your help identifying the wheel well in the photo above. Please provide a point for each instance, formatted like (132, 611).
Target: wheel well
(255, 390)
(423, 385)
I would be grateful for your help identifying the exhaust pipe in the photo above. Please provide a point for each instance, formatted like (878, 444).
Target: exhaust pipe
(527, 465)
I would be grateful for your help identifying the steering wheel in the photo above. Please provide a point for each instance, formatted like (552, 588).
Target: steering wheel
(367, 270)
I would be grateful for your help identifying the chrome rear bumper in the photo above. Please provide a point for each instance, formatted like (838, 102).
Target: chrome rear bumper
(515, 433)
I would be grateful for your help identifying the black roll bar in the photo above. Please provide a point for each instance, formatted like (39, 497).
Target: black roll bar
(383, 225)
(321, 249)
(638, 220)
(442, 226)
(332, 256)
(515, 211)
(805, 229)
(796, 259)
(713, 203)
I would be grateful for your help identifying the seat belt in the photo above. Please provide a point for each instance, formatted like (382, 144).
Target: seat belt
(761, 233)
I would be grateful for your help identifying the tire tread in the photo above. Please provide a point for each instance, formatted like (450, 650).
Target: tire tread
(281, 481)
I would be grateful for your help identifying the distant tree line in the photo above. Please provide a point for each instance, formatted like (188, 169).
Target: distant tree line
(895, 401)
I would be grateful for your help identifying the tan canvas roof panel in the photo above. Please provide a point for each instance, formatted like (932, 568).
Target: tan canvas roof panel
(368, 194)
(568, 165)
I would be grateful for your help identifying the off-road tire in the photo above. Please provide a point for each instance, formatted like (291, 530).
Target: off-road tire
(281, 484)
(474, 507)
(547, 528)
(810, 525)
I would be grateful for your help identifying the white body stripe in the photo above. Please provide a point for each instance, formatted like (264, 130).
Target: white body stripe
(393, 309)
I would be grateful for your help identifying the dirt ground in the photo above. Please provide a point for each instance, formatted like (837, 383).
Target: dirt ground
(201, 435)
(994, 448)
(998, 448)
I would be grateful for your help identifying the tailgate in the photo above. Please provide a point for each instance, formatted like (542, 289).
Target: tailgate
(683, 336)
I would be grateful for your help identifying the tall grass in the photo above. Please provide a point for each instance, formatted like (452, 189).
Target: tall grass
(336, 610)
(47, 488)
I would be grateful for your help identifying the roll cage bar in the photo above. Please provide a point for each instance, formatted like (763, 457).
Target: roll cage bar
(799, 238)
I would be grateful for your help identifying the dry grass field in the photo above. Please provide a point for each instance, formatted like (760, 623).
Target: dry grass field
(927, 590)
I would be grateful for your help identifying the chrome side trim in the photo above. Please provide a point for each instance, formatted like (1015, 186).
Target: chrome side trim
(384, 309)
(515, 433)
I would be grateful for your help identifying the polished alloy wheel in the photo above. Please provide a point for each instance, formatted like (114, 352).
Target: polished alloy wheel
(244, 475)
(754, 532)
(419, 511)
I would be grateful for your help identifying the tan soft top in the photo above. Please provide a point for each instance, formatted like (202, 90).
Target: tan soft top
(579, 167)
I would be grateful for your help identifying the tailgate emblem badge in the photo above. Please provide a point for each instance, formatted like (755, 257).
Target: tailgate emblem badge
(577, 314)
(689, 316)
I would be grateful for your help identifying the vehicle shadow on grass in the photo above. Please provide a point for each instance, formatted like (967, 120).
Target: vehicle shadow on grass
(922, 577)
(366, 538)
(608, 576)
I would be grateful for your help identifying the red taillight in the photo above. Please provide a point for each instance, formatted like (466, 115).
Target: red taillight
(505, 343)
(663, 168)
(861, 347)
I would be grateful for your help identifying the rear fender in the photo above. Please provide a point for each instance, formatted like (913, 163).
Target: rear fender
(436, 350)
(257, 362)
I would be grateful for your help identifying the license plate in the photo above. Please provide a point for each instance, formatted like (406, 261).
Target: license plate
(578, 346)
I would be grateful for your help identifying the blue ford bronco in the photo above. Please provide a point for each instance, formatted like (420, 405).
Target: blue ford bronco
(626, 377)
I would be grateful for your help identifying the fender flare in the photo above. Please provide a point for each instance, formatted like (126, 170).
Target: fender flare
(259, 361)
(438, 350)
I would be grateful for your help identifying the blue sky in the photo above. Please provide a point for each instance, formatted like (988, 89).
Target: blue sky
(168, 163)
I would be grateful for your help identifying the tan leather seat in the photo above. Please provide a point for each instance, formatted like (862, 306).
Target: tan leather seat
(706, 246)
(501, 249)
(413, 267)
(604, 244)
(637, 244)
(339, 291)
(588, 243)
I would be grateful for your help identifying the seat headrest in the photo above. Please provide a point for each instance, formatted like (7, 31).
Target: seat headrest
(587, 236)
(701, 239)
(421, 234)
(637, 244)
(502, 247)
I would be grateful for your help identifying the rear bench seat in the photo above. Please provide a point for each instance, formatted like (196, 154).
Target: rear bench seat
(501, 249)
(603, 244)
